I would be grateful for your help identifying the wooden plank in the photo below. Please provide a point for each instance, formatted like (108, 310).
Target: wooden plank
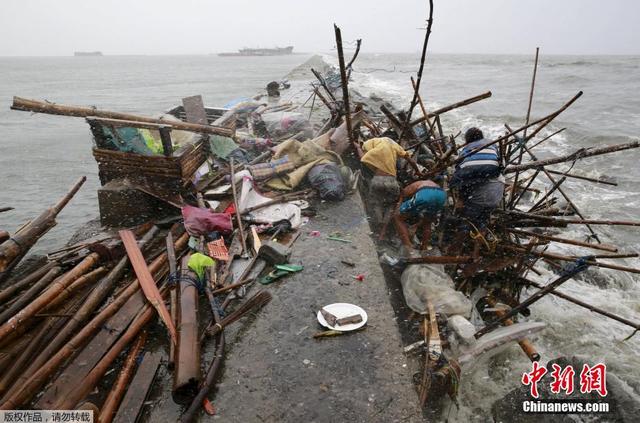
(131, 406)
(194, 110)
(147, 283)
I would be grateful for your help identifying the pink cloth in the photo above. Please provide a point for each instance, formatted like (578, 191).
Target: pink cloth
(199, 221)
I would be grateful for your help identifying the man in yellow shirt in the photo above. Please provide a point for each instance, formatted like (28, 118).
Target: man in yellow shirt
(381, 156)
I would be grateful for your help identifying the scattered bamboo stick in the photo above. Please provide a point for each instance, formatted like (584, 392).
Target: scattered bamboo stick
(453, 106)
(29, 388)
(577, 155)
(554, 256)
(243, 240)
(588, 306)
(524, 134)
(87, 384)
(173, 295)
(602, 247)
(49, 295)
(95, 298)
(567, 274)
(257, 301)
(24, 282)
(116, 393)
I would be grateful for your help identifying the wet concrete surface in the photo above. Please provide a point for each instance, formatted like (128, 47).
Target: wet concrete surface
(275, 371)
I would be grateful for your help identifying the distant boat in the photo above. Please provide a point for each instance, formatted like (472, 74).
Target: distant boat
(278, 51)
(87, 53)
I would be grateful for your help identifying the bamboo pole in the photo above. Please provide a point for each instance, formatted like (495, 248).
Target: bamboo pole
(524, 134)
(526, 345)
(584, 178)
(28, 235)
(173, 295)
(79, 283)
(30, 294)
(588, 306)
(542, 122)
(243, 240)
(29, 388)
(116, 393)
(36, 106)
(577, 155)
(541, 141)
(49, 295)
(95, 298)
(187, 373)
(48, 328)
(573, 221)
(453, 106)
(554, 256)
(344, 82)
(602, 247)
(26, 281)
(556, 186)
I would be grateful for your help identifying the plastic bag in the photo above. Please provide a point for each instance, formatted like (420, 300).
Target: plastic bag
(198, 221)
(286, 124)
(328, 180)
(421, 282)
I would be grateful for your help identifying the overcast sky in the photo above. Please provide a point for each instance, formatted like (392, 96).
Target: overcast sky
(46, 27)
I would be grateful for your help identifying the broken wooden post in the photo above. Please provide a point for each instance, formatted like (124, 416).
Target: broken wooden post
(344, 83)
(165, 138)
(187, 372)
(416, 91)
(36, 106)
(23, 239)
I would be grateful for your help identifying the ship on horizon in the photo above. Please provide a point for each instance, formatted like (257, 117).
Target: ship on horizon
(87, 53)
(278, 51)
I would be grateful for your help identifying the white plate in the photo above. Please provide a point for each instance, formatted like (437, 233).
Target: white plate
(341, 310)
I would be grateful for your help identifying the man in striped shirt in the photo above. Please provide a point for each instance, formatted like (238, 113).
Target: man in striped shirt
(478, 178)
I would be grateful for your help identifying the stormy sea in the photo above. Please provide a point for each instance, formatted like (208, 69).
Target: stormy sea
(41, 156)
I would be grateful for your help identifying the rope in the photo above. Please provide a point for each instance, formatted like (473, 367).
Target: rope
(476, 234)
(193, 282)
